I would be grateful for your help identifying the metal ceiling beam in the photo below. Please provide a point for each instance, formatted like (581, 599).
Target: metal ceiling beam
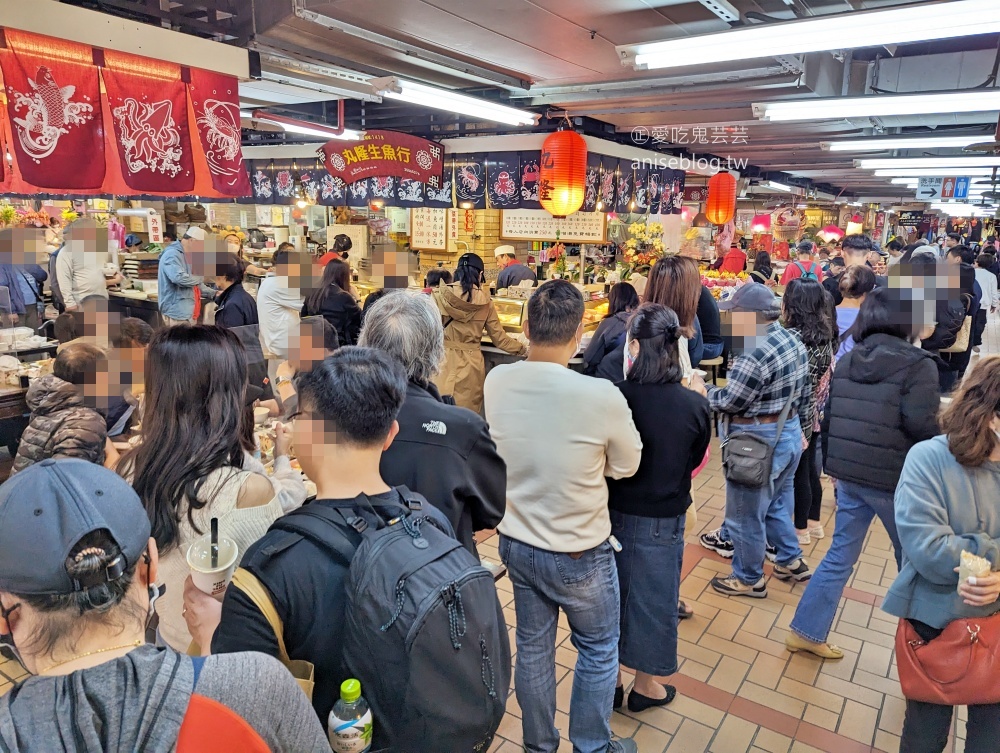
(415, 54)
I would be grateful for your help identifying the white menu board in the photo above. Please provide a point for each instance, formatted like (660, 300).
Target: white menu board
(428, 229)
(539, 225)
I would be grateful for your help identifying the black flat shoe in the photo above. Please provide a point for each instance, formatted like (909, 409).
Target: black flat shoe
(619, 697)
(684, 612)
(638, 702)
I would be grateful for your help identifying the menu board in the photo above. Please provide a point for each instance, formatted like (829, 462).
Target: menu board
(428, 229)
(539, 225)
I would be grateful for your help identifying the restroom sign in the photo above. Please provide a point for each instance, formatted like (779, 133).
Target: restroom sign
(955, 187)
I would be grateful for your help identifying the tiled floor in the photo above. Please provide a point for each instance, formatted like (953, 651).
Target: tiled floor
(740, 691)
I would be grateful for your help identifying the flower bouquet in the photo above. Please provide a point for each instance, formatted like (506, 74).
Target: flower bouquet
(644, 245)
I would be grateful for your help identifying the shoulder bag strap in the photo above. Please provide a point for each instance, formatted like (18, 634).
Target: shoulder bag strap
(248, 583)
(784, 414)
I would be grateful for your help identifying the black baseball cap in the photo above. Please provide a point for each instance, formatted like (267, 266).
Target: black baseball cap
(46, 509)
(472, 260)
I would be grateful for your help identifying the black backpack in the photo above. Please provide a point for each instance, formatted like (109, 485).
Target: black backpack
(57, 296)
(424, 631)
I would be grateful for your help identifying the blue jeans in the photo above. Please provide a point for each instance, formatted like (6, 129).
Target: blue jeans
(649, 570)
(586, 589)
(712, 350)
(757, 517)
(857, 506)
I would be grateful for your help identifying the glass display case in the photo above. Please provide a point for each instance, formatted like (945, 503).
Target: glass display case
(512, 312)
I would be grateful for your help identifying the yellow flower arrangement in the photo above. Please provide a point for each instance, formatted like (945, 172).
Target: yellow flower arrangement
(645, 243)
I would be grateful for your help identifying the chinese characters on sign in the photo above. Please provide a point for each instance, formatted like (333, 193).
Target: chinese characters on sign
(452, 224)
(383, 154)
(539, 225)
(701, 135)
(155, 228)
(428, 229)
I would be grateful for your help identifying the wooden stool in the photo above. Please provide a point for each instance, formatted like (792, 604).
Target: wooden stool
(713, 364)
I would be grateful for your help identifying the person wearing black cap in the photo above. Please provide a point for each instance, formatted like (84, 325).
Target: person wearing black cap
(466, 309)
(768, 394)
(77, 595)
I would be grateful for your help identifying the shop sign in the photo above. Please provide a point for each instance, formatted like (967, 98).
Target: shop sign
(910, 219)
(385, 154)
(155, 228)
(695, 194)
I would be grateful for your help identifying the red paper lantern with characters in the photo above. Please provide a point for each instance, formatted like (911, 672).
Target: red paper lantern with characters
(562, 175)
(721, 205)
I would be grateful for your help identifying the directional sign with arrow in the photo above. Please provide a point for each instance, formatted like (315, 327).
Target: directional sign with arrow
(929, 187)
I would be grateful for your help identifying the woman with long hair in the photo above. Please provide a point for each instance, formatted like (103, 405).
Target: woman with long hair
(762, 271)
(675, 282)
(807, 311)
(190, 466)
(466, 310)
(883, 400)
(648, 509)
(334, 301)
(947, 505)
(855, 284)
(610, 332)
(235, 246)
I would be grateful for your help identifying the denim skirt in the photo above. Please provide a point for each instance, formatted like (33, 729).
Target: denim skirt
(649, 571)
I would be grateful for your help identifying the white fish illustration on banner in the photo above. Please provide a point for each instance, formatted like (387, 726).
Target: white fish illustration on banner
(149, 136)
(47, 112)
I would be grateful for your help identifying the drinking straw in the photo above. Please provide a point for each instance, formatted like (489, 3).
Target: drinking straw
(215, 542)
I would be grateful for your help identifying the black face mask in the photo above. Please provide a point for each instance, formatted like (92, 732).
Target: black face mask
(7, 646)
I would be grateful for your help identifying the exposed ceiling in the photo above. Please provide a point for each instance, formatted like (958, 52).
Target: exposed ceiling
(558, 56)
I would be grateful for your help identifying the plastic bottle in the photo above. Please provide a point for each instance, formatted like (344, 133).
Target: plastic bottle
(350, 724)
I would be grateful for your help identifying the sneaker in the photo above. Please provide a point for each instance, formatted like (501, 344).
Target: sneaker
(771, 552)
(732, 587)
(976, 348)
(803, 535)
(713, 540)
(623, 745)
(798, 573)
(816, 530)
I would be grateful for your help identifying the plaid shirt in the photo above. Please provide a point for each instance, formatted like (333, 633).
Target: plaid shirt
(761, 380)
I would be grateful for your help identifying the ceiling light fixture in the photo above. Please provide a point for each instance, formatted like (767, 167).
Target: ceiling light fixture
(951, 163)
(777, 186)
(304, 127)
(864, 29)
(918, 172)
(900, 142)
(913, 182)
(443, 99)
(840, 108)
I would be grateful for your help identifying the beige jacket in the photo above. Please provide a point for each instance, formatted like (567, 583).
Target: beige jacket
(464, 371)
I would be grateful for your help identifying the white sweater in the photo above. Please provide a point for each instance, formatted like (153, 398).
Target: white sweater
(560, 433)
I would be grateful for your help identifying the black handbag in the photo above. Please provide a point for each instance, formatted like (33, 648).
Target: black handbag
(747, 458)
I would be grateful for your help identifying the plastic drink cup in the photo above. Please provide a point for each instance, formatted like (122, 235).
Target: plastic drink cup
(260, 415)
(212, 580)
(700, 372)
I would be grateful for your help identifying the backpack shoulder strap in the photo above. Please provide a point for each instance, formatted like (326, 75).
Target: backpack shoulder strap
(197, 664)
(799, 265)
(336, 530)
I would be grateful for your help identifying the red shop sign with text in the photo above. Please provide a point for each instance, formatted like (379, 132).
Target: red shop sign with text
(381, 154)
(149, 109)
(54, 106)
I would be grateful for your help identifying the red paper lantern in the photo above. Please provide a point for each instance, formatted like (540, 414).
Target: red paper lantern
(721, 204)
(562, 174)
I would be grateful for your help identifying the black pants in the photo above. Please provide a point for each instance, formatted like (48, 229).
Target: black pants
(808, 487)
(978, 327)
(926, 727)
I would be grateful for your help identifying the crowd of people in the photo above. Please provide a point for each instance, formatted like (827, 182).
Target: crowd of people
(388, 411)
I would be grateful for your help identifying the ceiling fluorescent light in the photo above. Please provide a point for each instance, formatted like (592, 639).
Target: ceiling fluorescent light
(917, 172)
(905, 181)
(917, 23)
(900, 142)
(777, 186)
(443, 99)
(952, 163)
(840, 108)
(303, 127)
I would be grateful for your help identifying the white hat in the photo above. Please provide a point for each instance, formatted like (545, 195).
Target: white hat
(195, 232)
(501, 250)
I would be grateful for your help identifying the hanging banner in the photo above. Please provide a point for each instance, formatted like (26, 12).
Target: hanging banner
(653, 190)
(385, 153)
(440, 197)
(309, 178)
(672, 193)
(215, 99)
(529, 180)
(503, 174)
(383, 189)
(358, 193)
(410, 193)
(332, 191)
(625, 196)
(54, 106)
(470, 182)
(609, 183)
(642, 190)
(262, 182)
(593, 183)
(284, 183)
(148, 103)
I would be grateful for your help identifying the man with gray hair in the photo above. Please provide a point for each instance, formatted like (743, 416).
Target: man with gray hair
(442, 451)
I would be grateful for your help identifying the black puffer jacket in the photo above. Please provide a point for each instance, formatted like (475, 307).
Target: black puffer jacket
(883, 400)
(61, 425)
(609, 335)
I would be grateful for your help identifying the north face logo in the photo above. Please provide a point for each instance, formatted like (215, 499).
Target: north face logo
(435, 427)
